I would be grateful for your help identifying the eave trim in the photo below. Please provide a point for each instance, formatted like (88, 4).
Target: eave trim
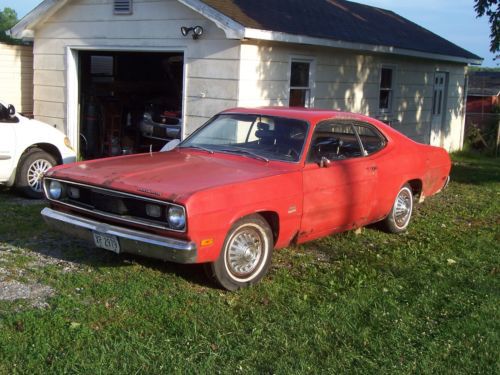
(302, 39)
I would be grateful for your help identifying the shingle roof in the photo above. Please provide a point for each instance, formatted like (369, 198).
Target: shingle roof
(484, 84)
(338, 20)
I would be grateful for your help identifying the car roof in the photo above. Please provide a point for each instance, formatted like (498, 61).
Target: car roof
(309, 114)
(316, 115)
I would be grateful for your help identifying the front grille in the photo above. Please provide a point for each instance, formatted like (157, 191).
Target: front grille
(115, 204)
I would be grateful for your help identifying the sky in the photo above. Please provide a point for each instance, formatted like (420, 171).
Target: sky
(454, 20)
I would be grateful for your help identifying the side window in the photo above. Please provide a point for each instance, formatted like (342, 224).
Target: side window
(6, 116)
(371, 139)
(386, 89)
(300, 83)
(335, 140)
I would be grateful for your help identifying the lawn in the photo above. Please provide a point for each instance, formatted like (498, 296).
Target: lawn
(426, 301)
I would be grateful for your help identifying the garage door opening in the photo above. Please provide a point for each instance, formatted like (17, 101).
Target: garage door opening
(130, 102)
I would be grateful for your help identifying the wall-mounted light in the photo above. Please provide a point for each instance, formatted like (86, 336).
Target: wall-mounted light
(197, 31)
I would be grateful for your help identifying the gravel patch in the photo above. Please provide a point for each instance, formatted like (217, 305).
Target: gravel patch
(36, 293)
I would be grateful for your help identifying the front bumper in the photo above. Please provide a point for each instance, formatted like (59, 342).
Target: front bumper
(131, 241)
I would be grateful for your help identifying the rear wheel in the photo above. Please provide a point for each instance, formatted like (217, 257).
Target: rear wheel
(398, 219)
(32, 166)
(246, 254)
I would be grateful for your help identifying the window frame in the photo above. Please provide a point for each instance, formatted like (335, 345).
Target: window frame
(391, 90)
(352, 123)
(309, 102)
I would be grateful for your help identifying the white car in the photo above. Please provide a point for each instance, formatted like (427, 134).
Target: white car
(28, 148)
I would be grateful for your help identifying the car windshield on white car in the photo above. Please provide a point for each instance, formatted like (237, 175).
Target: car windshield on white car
(260, 137)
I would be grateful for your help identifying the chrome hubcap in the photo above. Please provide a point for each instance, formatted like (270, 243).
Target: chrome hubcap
(403, 208)
(244, 252)
(35, 174)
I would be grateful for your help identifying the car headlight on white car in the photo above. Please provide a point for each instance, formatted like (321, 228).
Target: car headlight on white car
(176, 218)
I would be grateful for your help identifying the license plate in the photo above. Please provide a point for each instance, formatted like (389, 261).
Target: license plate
(107, 242)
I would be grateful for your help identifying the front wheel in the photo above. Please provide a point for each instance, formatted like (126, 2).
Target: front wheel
(398, 219)
(32, 166)
(246, 254)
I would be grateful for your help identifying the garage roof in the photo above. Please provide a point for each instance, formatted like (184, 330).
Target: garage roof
(338, 20)
(331, 23)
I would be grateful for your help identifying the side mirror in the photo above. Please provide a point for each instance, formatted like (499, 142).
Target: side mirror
(169, 146)
(324, 162)
(12, 110)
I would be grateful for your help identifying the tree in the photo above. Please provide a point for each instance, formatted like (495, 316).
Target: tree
(490, 9)
(8, 18)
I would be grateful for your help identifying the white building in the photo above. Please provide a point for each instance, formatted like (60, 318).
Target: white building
(123, 55)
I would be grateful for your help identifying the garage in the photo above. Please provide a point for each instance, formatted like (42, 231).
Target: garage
(129, 102)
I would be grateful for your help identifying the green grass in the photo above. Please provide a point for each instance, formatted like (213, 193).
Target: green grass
(426, 301)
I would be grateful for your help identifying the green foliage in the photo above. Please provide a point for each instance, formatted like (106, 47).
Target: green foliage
(8, 18)
(484, 139)
(424, 302)
(490, 9)
(482, 69)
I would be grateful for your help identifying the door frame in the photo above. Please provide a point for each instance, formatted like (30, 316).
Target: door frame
(73, 84)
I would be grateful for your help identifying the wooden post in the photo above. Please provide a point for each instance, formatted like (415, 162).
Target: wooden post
(498, 135)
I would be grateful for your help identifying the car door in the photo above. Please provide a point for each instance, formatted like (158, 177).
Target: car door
(338, 192)
(7, 148)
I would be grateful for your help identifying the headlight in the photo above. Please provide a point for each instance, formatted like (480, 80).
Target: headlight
(73, 192)
(55, 190)
(153, 210)
(176, 218)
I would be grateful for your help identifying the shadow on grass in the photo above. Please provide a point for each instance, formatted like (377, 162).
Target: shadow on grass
(58, 247)
(471, 173)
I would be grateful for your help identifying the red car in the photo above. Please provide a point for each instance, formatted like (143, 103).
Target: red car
(247, 182)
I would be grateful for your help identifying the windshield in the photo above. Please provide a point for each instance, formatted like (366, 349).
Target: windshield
(261, 137)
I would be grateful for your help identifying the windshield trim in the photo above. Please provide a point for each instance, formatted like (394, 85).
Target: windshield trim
(212, 119)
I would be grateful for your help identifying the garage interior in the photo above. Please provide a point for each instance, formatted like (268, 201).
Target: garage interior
(130, 102)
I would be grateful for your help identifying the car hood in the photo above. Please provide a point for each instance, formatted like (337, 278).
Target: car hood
(33, 126)
(172, 176)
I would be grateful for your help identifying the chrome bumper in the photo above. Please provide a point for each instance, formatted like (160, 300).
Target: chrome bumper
(131, 241)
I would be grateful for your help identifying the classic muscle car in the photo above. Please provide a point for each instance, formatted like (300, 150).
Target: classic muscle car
(245, 183)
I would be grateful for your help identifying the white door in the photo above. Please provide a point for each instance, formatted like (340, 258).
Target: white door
(438, 108)
(7, 147)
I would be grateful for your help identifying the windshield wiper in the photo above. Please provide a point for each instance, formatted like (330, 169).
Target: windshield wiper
(245, 152)
(198, 148)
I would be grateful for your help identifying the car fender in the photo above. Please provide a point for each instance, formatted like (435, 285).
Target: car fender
(33, 133)
(208, 224)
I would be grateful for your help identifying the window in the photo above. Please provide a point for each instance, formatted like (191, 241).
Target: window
(336, 141)
(370, 138)
(101, 68)
(300, 84)
(122, 7)
(264, 137)
(386, 89)
(344, 139)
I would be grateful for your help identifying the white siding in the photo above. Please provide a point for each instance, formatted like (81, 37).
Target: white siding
(351, 81)
(211, 62)
(16, 75)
